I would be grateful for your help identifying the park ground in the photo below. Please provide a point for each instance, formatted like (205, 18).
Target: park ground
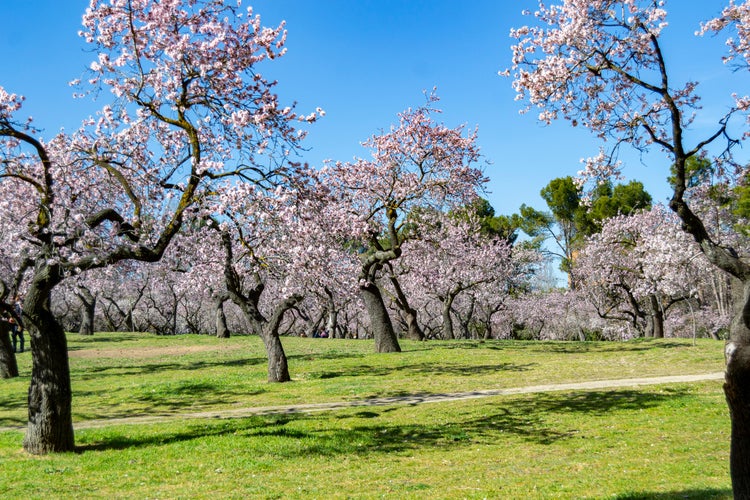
(192, 417)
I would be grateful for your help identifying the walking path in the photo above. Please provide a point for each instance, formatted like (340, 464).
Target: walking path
(413, 399)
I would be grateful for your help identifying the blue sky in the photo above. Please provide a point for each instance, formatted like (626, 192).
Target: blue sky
(363, 61)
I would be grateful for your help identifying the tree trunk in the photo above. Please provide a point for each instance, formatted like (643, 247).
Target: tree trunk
(487, 331)
(50, 427)
(129, 323)
(737, 391)
(332, 323)
(447, 318)
(657, 317)
(88, 309)
(413, 330)
(8, 364)
(278, 369)
(380, 321)
(222, 331)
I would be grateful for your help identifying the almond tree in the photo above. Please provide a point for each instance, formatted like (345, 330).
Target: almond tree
(188, 108)
(601, 64)
(418, 163)
(452, 257)
(274, 248)
(640, 266)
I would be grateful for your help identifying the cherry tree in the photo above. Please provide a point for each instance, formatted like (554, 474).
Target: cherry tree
(416, 164)
(601, 64)
(189, 108)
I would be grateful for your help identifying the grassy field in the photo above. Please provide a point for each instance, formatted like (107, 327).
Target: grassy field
(661, 442)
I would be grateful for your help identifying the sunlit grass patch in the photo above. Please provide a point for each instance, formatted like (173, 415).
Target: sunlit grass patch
(666, 441)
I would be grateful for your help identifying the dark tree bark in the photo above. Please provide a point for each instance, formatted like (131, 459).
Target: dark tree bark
(737, 349)
(50, 427)
(656, 318)
(278, 368)
(8, 364)
(447, 301)
(385, 336)
(413, 330)
(447, 332)
(737, 391)
(380, 322)
(88, 309)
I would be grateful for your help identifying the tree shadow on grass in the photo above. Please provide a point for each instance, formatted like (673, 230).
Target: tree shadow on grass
(173, 398)
(573, 347)
(156, 435)
(326, 355)
(361, 432)
(119, 370)
(706, 494)
(563, 347)
(421, 369)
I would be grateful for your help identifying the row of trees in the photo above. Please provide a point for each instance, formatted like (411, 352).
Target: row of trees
(636, 274)
(192, 165)
(186, 184)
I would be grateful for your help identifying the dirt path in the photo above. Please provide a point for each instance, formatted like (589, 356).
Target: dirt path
(402, 400)
(413, 399)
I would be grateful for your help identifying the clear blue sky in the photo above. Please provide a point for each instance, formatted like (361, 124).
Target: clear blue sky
(365, 60)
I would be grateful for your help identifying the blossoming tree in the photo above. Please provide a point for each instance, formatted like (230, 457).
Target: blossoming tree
(601, 64)
(418, 163)
(639, 267)
(291, 237)
(189, 108)
(452, 257)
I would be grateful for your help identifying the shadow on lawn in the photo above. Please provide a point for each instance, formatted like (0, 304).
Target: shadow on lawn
(421, 369)
(168, 399)
(530, 418)
(315, 356)
(121, 369)
(557, 346)
(707, 494)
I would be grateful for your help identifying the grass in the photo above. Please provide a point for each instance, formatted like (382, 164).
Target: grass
(661, 442)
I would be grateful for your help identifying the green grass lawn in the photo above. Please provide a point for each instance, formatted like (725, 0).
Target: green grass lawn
(659, 442)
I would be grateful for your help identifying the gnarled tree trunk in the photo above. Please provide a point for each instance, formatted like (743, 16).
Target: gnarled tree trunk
(413, 330)
(380, 322)
(50, 427)
(737, 349)
(248, 302)
(656, 318)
